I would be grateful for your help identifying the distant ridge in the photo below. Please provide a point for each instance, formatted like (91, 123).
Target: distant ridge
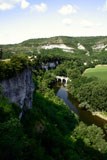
(90, 44)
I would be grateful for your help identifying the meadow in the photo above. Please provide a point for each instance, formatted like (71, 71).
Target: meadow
(100, 71)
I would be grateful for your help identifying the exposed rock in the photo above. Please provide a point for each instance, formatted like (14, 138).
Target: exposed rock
(87, 53)
(80, 46)
(99, 46)
(19, 89)
(60, 46)
(49, 65)
(85, 63)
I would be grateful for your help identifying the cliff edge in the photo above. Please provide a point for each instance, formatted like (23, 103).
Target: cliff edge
(19, 89)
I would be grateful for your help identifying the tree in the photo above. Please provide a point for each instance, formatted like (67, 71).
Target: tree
(12, 140)
(84, 105)
(92, 136)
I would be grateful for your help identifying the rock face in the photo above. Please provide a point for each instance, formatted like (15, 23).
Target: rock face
(19, 89)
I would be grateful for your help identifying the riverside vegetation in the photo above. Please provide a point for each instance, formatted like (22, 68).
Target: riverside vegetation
(50, 130)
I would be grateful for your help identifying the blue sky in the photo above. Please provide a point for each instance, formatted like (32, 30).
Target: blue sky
(25, 19)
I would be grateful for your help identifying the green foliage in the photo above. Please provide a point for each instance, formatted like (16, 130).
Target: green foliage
(84, 105)
(11, 67)
(13, 142)
(94, 94)
(8, 110)
(92, 136)
(50, 131)
(52, 127)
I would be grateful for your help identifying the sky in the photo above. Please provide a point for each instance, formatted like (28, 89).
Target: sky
(26, 19)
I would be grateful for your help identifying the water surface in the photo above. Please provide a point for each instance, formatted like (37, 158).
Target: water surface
(84, 115)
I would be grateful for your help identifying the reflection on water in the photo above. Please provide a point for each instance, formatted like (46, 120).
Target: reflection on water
(84, 115)
(62, 93)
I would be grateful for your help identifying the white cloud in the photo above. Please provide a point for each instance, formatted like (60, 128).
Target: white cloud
(67, 21)
(67, 9)
(10, 4)
(24, 4)
(5, 6)
(42, 7)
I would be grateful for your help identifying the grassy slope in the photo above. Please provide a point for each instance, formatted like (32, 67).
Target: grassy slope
(100, 71)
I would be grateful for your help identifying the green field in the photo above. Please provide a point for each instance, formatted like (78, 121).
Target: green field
(100, 71)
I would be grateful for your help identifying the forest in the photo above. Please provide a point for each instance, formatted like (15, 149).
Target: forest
(50, 130)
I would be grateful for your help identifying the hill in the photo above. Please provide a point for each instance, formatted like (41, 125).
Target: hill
(86, 45)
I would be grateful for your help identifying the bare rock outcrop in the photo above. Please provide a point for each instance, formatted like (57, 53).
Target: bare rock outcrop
(19, 89)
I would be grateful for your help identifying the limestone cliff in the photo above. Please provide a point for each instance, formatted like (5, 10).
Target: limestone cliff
(19, 89)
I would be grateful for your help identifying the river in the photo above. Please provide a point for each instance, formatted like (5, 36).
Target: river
(84, 115)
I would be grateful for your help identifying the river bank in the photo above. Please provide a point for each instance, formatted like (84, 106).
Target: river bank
(89, 118)
(100, 115)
